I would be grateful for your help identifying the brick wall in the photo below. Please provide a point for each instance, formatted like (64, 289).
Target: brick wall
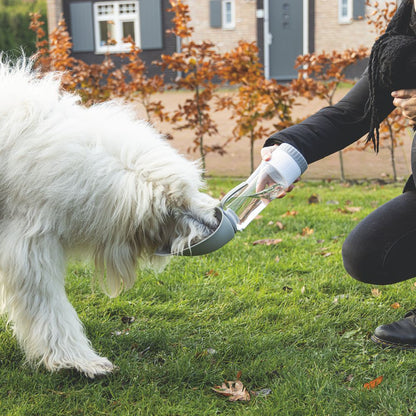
(224, 39)
(330, 34)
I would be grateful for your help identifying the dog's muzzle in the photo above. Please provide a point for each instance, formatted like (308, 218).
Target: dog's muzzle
(227, 227)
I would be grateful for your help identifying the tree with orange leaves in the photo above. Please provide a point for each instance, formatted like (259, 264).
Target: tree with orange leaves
(256, 98)
(97, 82)
(197, 64)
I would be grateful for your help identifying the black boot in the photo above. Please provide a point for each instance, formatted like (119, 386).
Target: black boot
(400, 334)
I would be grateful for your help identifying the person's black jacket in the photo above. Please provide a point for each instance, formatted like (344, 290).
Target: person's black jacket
(335, 127)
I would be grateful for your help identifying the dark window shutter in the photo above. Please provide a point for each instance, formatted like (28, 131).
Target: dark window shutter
(82, 26)
(358, 9)
(151, 36)
(215, 13)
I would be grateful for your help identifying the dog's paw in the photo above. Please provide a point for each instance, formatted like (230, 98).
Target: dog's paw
(91, 366)
(97, 368)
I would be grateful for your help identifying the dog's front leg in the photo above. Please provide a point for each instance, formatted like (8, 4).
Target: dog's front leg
(34, 297)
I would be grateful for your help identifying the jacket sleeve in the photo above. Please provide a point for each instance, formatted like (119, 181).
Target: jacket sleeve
(333, 127)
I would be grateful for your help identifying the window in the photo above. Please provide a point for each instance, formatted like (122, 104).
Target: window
(228, 14)
(344, 11)
(115, 21)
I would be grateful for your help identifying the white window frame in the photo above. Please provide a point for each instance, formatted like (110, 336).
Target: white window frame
(344, 18)
(118, 20)
(231, 24)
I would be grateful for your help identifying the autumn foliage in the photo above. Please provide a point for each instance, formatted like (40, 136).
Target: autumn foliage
(256, 105)
(320, 75)
(97, 82)
(256, 98)
(198, 65)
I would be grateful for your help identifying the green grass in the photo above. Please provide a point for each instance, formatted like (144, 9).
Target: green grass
(299, 326)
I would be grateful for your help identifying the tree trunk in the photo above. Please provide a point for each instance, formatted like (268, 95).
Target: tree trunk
(251, 153)
(341, 164)
(201, 138)
(392, 155)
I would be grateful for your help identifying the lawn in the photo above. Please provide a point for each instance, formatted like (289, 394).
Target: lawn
(285, 315)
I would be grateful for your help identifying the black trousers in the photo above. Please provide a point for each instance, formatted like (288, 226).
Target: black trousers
(382, 248)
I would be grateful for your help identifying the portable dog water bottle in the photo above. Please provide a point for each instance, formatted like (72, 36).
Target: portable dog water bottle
(244, 202)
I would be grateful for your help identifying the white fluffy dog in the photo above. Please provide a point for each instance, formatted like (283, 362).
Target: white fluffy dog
(95, 179)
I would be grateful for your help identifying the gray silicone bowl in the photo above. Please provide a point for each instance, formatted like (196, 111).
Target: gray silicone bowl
(222, 235)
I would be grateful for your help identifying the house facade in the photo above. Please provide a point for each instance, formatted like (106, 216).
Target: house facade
(288, 28)
(98, 27)
(283, 29)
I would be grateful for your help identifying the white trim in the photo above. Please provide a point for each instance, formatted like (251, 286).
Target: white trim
(344, 19)
(228, 25)
(117, 20)
(266, 40)
(305, 26)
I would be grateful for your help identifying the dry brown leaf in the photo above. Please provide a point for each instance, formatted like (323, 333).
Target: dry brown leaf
(234, 390)
(375, 292)
(395, 305)
(268, 241)
(348, 210)
(292, 213)
(279, 225)
(313, 199)
(307, 231)
(373, 383)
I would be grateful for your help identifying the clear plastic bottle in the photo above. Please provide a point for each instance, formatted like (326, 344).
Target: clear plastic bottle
(243, 203)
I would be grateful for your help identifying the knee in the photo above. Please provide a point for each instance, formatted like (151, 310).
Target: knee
(362, 261)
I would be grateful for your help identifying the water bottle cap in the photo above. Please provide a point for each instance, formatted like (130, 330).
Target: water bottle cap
(286, 165)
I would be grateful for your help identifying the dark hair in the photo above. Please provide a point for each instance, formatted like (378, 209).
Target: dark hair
(386, 68)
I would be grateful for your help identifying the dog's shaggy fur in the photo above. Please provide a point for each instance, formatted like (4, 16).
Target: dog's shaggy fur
(95, 179)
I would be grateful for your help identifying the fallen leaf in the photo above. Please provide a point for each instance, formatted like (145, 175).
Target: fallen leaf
(123, 332)
(128, 319)
(348, 210)
(307, 231)
(292, 213)
(262, 392)
(395, 305)
(268, 241)
(373, 383)
(211, 272)
(234, 390)
(348, 378)
(279, 225)
(375, 292)
(313, 199)
(337, 298)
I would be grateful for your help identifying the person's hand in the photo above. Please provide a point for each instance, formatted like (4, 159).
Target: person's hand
(266, 155)
(406, 101)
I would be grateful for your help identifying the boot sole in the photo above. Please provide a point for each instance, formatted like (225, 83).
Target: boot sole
(389, 344)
